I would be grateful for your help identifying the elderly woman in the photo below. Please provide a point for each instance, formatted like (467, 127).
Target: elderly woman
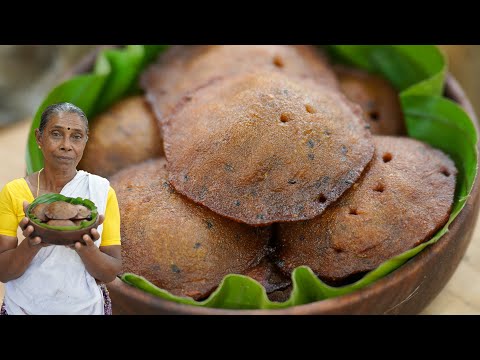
(51, 279)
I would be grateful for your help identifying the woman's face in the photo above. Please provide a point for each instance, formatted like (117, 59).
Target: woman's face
(63, 140)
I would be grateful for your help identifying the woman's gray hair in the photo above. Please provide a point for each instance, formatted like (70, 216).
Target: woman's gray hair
(56, 109)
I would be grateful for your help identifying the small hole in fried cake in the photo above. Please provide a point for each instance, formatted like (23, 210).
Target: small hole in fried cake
(374, 115)
(353, 211)
(310, 109)
(285, 117)
(278, 61)
(379, 188)
(387, 157)
(445, 171)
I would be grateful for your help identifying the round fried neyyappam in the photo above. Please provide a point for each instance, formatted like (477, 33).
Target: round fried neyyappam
(174, 243)
(61, 210)
(61, 223)
(404, 197)
(83, 212)
(185, 68)
(267, 274)
(125, 134)
(376, 96)
(39, 212)
(262, 148)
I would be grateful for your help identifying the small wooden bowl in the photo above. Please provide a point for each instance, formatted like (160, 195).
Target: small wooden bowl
(56, 237)
(60, 237)
(407, 290)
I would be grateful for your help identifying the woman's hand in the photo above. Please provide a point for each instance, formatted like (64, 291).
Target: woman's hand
(27, 230)
(103, 266)
(89, 246)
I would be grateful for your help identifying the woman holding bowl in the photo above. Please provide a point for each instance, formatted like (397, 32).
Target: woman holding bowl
(51, 279)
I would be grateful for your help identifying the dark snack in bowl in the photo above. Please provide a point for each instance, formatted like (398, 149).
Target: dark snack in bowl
(174, 243)
(125, 134)
(404, 197)
(184, 68)
(59, 231)
(376, 96)
(39, 212)
(262, 147)
(61, 223)
(83, 212)
(61, 210)
(267, 274)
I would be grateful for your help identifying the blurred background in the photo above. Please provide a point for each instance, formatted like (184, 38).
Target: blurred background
(29, 72)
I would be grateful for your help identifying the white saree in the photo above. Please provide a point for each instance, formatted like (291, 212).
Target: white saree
(57, 282)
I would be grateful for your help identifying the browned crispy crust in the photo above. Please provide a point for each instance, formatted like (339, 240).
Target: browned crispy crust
(376, 96)
(261, 148)
(174, 243)
(61, 223)
(125, 134)
(267, 274)
(83, 212)
(185, 68)
(39, 212)
(61, 210)
(403, 198)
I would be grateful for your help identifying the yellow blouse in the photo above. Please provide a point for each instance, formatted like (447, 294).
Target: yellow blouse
(11, 211)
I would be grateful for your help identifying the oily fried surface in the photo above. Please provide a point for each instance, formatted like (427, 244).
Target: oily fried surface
(39, 211)
(83, 212)
(267, 274)
(61, 223)
(174, 243)
(404, 197)
(262, 148)
(376, 96)
(184, 68)
(125, 134)
(61, 210)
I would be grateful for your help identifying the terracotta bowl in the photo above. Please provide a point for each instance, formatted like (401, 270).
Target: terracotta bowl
(57, 237)
(407, 290)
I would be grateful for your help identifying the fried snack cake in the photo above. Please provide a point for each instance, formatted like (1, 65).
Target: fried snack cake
(261, 148)
(183, 69)
(61, 210)
(271, 278)
(174, 243)
(39, 212)
(376, 96)
(125, 134)
(402, 200)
